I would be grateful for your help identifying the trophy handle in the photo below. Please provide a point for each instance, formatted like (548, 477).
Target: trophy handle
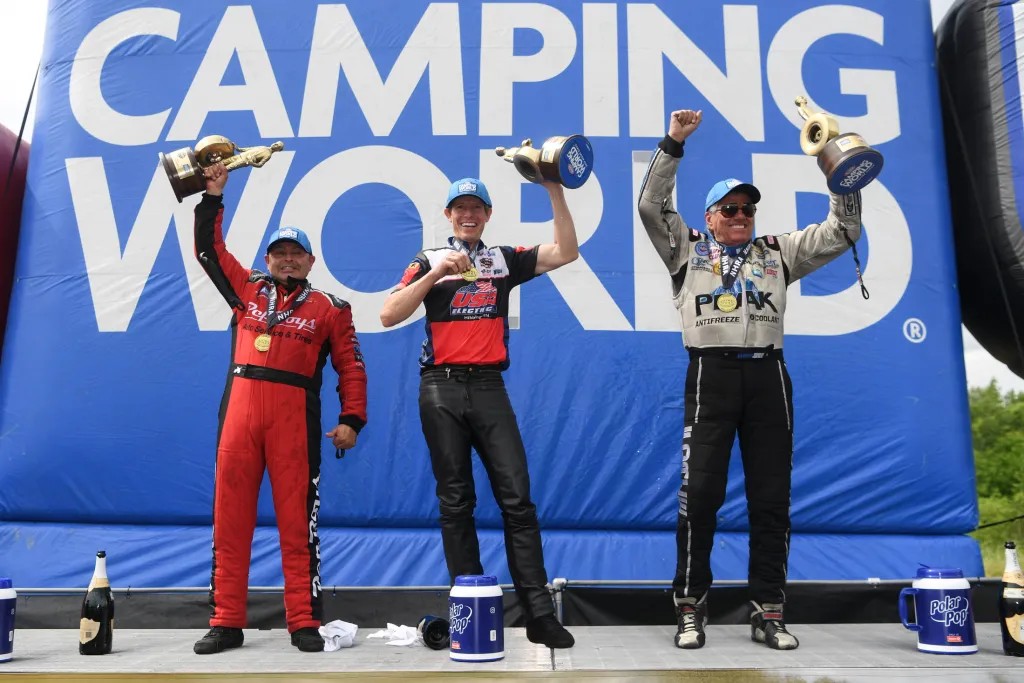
(818, 128)
(214, 148)
(525, 158)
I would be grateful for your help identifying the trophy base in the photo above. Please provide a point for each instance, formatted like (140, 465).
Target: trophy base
(849, 164)
(568, 160)
(183, 172)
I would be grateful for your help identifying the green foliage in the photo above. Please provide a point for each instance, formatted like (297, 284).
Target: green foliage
(997, 427)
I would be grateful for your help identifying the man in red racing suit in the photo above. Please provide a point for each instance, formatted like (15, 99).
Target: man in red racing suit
(282, 332)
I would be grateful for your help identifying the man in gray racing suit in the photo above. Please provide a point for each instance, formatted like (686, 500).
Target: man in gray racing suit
(730, 289)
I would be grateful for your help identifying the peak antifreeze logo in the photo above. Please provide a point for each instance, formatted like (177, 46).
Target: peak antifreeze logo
(757, 299)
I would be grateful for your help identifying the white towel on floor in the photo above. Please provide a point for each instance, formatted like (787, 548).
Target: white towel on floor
(399, 636)
(338, 634)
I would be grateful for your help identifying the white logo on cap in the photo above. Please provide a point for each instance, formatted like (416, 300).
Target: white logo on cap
(288, 233)
(467, 187)
(732, 183)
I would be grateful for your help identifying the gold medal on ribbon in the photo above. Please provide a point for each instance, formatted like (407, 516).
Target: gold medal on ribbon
(262, 343)
(471, 274)
(726, 302)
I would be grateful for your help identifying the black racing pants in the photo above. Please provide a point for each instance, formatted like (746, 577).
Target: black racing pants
(468, 407)
(726, 393)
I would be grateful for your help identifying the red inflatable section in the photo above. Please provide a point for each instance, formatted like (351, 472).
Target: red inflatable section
(12, 192)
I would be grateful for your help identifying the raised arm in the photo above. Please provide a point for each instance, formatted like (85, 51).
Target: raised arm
(566, 248)
(665, 227)
(223, 269)
(804, 251)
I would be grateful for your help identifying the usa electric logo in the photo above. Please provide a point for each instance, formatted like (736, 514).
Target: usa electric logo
(478, 300)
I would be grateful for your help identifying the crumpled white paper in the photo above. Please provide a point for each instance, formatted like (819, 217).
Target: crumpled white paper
(338, 634)
(399, 636)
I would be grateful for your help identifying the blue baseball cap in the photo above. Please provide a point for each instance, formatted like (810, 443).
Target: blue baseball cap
(724, 187)
(289, 235)
(468, 187)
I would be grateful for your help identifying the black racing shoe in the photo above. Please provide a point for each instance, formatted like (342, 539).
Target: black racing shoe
(308, 639)
(546, 630)
(691, 618)
(218, 639)
(767, 626)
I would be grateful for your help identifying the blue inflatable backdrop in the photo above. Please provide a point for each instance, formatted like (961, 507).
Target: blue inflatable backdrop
(117, 346)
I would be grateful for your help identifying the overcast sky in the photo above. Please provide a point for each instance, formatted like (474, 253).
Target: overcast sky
(22, 47)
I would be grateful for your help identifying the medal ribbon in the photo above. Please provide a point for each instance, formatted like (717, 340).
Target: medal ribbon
(731, 263)
(274, 317)
(459, 245)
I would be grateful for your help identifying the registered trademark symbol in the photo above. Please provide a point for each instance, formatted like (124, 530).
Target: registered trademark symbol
(914, 330)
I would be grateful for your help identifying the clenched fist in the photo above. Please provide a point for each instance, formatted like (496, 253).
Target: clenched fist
(682, 122)
(454, 262)
(216, 179)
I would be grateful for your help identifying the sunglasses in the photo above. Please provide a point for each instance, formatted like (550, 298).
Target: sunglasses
(730, 210)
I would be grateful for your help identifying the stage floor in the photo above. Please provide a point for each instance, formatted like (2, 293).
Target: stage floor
(859, 652)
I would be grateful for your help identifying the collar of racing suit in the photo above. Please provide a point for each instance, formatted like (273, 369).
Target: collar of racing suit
(731, 251)
(457, 244)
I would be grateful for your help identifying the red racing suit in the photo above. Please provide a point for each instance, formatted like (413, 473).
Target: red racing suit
(270, 419)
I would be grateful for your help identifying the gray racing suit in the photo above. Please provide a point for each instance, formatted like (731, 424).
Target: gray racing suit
(737, 380)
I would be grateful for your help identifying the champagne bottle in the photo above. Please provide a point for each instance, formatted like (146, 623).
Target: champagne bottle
(96, 630)
(1011, 604)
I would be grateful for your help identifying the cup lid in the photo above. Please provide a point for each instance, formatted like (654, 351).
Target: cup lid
(5, 583)
(924, 572)
(476, 580)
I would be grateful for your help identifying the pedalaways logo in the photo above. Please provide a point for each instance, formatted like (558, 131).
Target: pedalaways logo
(256, 313)
(477, 300)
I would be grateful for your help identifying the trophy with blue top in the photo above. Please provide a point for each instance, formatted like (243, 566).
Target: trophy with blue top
(847, 161)
(568, 160)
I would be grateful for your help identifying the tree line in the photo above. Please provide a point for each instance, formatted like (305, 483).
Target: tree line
(997, 429)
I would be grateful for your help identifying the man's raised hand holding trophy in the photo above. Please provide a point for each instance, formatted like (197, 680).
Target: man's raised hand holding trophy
(185, 167)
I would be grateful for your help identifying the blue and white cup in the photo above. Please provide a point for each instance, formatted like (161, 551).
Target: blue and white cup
(476, 619)
(943, 615)
(8, 600)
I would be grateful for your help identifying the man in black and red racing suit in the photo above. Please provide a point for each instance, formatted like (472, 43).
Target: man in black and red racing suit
(464, 288)
(282, 332)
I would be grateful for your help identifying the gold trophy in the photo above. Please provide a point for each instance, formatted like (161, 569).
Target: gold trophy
(184, 167)
(847, 161)
(568, 160)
